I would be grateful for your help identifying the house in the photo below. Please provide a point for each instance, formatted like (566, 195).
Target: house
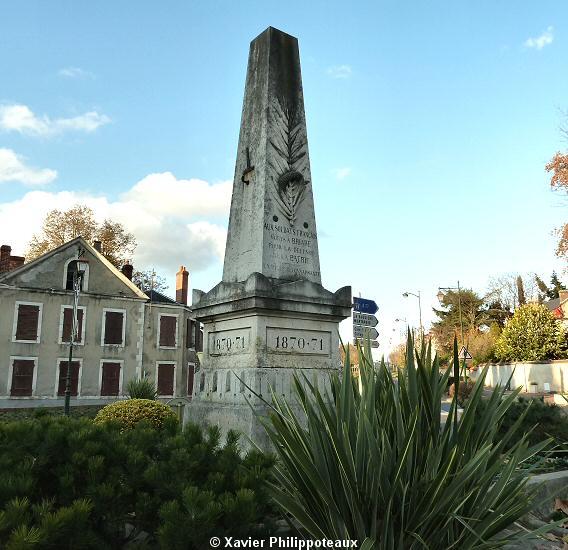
(123, 332)
(559, 307)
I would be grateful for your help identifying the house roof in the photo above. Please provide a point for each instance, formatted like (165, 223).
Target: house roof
(156, 296)
(78, 240)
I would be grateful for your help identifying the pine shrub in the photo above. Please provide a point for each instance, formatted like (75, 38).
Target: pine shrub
(71, 483)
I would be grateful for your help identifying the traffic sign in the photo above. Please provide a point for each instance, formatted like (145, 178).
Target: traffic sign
(364, 332)
(365, 305)
(464, 354)
(374, 343)
(364, 319)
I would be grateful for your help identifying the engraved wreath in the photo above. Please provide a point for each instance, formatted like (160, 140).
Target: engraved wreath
(290, 145)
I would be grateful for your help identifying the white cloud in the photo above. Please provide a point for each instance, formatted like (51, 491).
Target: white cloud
(541, 41)
(164, 214)
(75, 72)
(20, 118)
(13, 168)
(339, 71)
(342, 173)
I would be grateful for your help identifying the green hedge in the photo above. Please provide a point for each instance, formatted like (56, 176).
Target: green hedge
(71, 483)
(132, 411)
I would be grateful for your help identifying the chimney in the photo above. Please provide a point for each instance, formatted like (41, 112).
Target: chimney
(182, 285)
(97, 245)
(127, 269)
(5, 251)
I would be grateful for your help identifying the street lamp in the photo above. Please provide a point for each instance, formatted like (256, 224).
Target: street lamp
(406, 295)
(79, 268)
(441, 295)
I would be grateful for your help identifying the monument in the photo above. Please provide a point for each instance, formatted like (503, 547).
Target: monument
(270, 317)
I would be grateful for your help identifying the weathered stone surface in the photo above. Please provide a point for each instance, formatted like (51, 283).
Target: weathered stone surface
(272, 226)
(270, 318)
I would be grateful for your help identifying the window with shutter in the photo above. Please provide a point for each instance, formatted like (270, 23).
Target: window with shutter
(63, 377)
(113, 328)
(168, 330)
(68, 325)
(190, 378)
(190, 333)
(22, 377)
(166, 379)
(198, 337)
(110, 383)
(27, 322)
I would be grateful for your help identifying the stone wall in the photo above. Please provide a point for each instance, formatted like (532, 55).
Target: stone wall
(555, 373)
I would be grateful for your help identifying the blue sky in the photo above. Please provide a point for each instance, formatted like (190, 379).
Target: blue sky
(429, 126)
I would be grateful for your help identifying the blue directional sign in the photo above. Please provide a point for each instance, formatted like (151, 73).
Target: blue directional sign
(365, 306)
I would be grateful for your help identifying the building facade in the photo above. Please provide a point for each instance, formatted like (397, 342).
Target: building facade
(122, 332)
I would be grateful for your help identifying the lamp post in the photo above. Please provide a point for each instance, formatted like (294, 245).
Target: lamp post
(79, 267)
(406, 295)
(440, 296)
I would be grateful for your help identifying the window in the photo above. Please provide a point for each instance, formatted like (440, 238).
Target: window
(167, 331)
(66, 325)
(70, 268)
(23, 376)
(75, 369)
(190, 377)
(113, 327)
(189, 333)
(110, 378)
(27, 322)
(166, 378)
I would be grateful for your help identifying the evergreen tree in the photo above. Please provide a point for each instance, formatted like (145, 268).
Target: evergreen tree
(521, 291)
(555, 287)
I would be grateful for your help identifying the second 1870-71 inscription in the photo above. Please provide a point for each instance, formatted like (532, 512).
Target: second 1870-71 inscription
(298, 341)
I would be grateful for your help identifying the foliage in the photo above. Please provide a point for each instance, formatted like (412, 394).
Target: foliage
(398, 355)
(68, 483)
(128, 413)
(481, 344)
(149, 280)
(61, 226)
(504, 289)
(532, 334)
(375, 464)
(551, 292)
(474, 313)
(559, 181)
(141, 389)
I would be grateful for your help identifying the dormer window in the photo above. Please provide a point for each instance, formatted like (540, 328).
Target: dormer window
(71, 267)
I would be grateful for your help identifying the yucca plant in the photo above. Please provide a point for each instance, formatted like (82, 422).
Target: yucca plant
(141, 389)
(373, 461)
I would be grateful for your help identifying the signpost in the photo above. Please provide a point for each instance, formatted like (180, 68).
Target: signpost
(364, 321)
(363, 332)
(363, 305)
(464, 354)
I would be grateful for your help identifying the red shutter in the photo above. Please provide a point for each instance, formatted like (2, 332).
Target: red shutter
(113, 327)
(166, 379)
(22, 377)
(68, 324)
(111, 379)
(27, 324)
(190, 378)
(63, 377)
(168, 326)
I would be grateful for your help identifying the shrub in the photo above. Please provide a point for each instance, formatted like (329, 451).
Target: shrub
(70, 483)
(372, 462)
(464, 391)
(532, 334)
(128, 413)
(141, 389)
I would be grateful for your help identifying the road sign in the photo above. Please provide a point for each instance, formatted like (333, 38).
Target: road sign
(374, 343)
(365, 305)
(364, 332)
(464, 354)
(364, 319)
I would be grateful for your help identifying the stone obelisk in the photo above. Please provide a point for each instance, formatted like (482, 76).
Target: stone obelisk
(270, 317)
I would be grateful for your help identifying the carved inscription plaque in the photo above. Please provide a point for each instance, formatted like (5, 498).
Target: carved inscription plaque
(298, 341)
(229, 342)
